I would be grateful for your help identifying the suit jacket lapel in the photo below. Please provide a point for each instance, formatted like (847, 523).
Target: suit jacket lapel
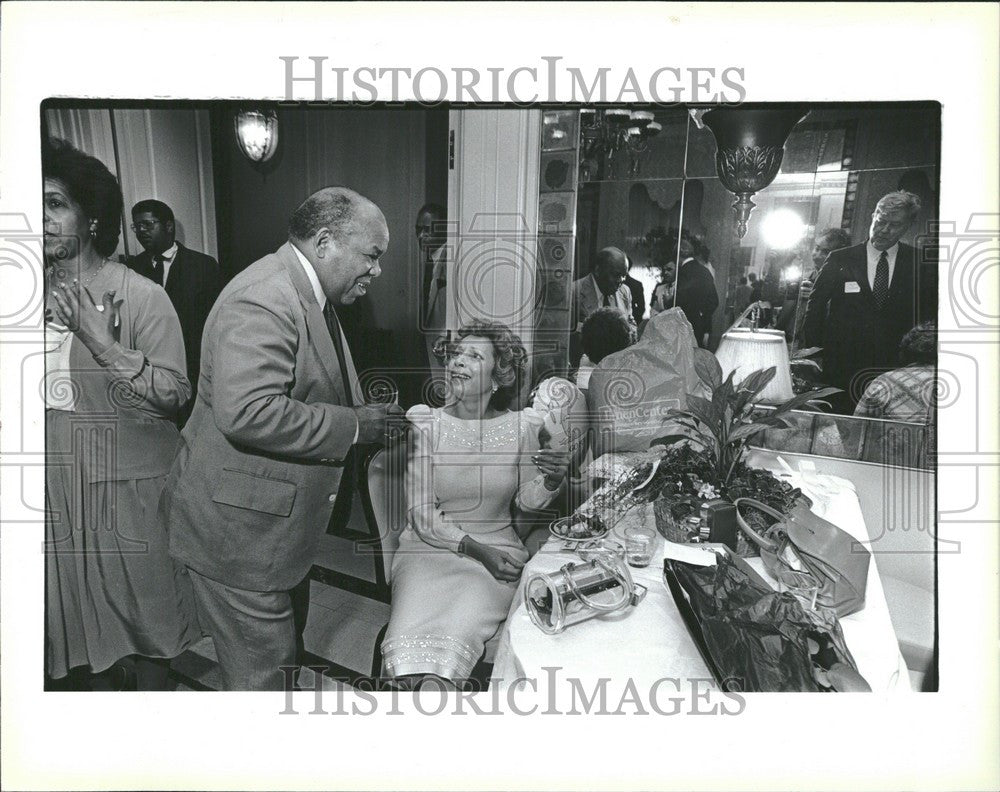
(318, 332)
(901, 285)
(176, 274)
(859, 269)
(593, 295)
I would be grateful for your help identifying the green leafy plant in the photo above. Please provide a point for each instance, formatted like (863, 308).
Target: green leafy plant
(722, 423)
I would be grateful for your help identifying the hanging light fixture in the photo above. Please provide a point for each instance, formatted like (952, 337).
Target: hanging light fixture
(257, 134)
(750, 144)
(616, 130)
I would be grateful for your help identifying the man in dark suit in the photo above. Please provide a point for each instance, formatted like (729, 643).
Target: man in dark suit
(255, 479)
(866, 298)
(696, 292)
(637, 292)
(192, 279)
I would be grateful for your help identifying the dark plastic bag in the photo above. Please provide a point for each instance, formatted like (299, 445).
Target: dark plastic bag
(755, 639)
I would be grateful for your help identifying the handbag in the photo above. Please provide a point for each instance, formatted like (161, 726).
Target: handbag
(810, 553)
(578, 592)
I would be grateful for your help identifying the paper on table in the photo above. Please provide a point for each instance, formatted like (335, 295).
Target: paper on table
(689, 554)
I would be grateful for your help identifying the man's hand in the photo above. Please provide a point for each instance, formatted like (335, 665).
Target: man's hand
(375, 422)
(502, 565)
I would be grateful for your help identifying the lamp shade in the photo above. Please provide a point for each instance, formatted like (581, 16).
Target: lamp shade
(257, 134)
(747, 351)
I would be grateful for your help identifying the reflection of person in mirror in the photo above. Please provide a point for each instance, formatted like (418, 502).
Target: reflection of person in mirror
(828, 241)
(638, 293)
(866, 298)
(430, 231)
(696, 292)
(908, 393)
(606, 288)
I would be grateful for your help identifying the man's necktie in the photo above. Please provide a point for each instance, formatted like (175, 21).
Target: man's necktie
(880, 288)
(333, 325)
(158, 268)
(607, 300)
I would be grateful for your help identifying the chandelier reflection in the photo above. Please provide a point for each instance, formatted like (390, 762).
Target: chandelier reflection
(614, 135)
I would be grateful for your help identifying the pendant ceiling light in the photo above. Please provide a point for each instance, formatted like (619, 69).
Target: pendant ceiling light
(257, 134)
(750, 144)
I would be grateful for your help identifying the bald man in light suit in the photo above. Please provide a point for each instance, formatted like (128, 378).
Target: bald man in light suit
(604, 288)
(256, 475)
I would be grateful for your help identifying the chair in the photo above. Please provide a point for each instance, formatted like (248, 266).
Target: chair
(383, 499)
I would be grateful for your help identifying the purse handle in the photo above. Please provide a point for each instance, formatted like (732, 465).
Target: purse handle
(766, 544)
(628, 588)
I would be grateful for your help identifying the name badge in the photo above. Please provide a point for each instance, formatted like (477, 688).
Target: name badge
(851, 287)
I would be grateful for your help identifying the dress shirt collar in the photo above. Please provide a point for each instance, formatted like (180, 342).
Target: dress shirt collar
(874, 255)
(168, 254)
(311, 275)
(600, 294)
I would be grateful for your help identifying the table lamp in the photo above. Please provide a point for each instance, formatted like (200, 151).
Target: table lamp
(747, 351)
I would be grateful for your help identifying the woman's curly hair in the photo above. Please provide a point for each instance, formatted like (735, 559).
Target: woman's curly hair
(510, 358)
(91, 185)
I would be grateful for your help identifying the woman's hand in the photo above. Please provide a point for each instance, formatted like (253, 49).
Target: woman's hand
(502, 565)
(554, 465)
(93, 326)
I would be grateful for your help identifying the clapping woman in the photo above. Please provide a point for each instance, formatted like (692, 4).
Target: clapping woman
(115, 379)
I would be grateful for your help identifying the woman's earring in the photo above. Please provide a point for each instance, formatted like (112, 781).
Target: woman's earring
(93, 230)
(495, 387)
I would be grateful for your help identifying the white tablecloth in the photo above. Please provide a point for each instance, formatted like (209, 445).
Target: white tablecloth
(650, 641)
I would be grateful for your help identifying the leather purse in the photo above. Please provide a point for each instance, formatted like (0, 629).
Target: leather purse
(810, 553)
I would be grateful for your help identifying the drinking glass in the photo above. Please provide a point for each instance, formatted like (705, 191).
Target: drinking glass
(640, 542)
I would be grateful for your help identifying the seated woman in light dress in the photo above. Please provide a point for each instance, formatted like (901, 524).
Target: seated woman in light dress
(473, 464)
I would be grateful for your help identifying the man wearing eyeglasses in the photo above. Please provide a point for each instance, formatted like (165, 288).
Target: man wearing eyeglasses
(192, 279)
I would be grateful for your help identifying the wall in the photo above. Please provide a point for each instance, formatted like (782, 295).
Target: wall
(379, 153)
(493, 205)
(166, 154)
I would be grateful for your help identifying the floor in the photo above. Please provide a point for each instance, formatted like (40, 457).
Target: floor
(344, 618)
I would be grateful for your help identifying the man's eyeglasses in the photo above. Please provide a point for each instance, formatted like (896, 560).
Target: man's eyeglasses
(147, 225)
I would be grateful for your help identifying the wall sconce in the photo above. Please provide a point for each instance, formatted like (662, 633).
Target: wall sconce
(257, 134)
(750, 144)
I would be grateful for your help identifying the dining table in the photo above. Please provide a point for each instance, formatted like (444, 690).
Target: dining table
(650, 641)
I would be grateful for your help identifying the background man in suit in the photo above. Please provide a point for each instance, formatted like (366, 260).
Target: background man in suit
(828, 241)
(603, 288)
(192, 279)
(866, 298)
(431, 236)
(637, 292)
(253, 485)
(696, 293)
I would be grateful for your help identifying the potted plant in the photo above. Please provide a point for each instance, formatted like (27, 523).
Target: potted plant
(715, 430)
